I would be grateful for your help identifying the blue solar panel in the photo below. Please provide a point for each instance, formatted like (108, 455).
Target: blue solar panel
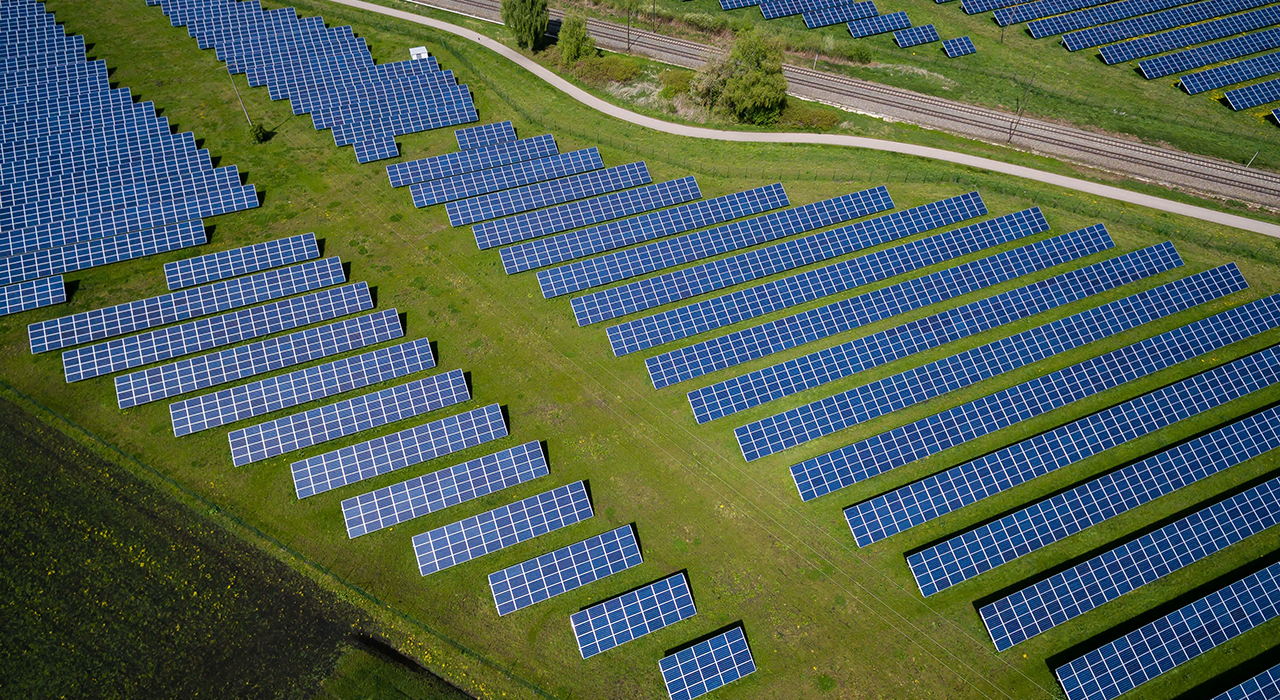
(877, 25)
(1158, 647)
(485, 135)
(1231, 74)
(301, 430)
(436, 167)
(835, 14)
(1107, 576)
(960, 46)
(793, 376)
(1063, 23)
(240, 261)
(927, 499)
(568, 568)
(834, 413)
(1045, 522)
(618, 234)
(1194, 34)
(204, 334)
(737, 4)
(1264, 686)
(705, 666)
(182, 305)
(1178, 16)
(545, 194)
(303, 386)
(398, 450)
(1254, 95)
(1201, 56)
(245, 361)
(480, 182)
(585, 213)
(915, 36)
(773, 9)
(33, 294)
(619, 620)
(438, 490)
(1025, 12)
(1275, 115)
(779, 294)
(500, 528)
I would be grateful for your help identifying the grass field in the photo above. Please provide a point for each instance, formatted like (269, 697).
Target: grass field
(824, 619)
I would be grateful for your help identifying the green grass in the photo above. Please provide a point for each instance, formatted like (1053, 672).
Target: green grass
(824, 618)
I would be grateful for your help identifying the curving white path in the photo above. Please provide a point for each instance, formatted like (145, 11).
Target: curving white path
(698, 132)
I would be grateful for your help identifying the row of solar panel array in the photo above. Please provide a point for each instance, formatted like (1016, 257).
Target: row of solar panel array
(88, 177)
(862, 17)
(327, 72)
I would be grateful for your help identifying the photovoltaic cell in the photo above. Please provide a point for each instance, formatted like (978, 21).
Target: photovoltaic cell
(744, 267)
(1231, 74)
(776, 295)
(33, 294)
(1184, 634)
(722, 239)
(876, 25)
(619, 620)
(737, 4)
(1195, 34)
(545, 194)
(584, 213)
(438, 490)
(500, 528)
(301, 430)
(617, 234)
(1089, 15)
(1025, 12)
(565, 569)
(449, 164)
(960, 46)
(1113, 573)
(773, 9)
(245, 361)
(474, 184)
(241, 261)
(1138, 26)
(485, 135)
(1264, 686)
(303, 386)
(974, 552)
(827, 16)
(1201, 56)
(915, 36)
(927, 499)
(1254, 95)
(705, 666)
(834, 413)
(398, 450)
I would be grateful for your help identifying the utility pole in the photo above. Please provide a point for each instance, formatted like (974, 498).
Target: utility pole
(1255, 156)
(238, 97)
(1022, 104)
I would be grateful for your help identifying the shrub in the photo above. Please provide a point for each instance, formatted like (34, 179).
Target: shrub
(574, 42)
(706, 22)
(808, 117)
(675, 82)
(858, 53)
(527, 20)
(259, 133)
(599, 70)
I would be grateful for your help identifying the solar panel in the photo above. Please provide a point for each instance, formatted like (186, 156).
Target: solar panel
(1062, 23)
(436, 167)
(584, 213)
(303, 386)
(973, 7)
(1107, 576)
(1264, 686)
(786, 292)
(773, 9)
(754, 264)
(937, 495)
(914, 36)
(737, 4)
(500, 528)
(616, 234)
(793, 376)
(827, 16)
(1182, 635)
(545, 194)
(960, 46)
(1194, 34)
(568, 568)
(619, 620)
(1254, 95)
(397, 450)
(245, 361)
(974, 552)
(481, 182)
(438, 490)
(876, 25)
(858, 405)
(705, 666)
(33, 294)
(1231, 74)
(240, 261)
(301, 430)
(1275, 115)
(182, 305)
(1178, 16)
(485, 135)
(1025, 12)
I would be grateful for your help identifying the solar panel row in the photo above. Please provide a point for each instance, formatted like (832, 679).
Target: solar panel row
(877, 25)
(1193, 34)
(484, 135)
(960, 46)
(835, 14)
(1025, 12)
(1036, 526)
(935, 496)
(33, 294)
(705, 666)
(915, 36)
(737, 4)
(1230, 74)
(1261, 687)
(240, 261)
(438, 490)
(773, 9)
(1254, 95)
(1066, 22)
(474, 184)
(545, 194)
(619, 620)
(533, 581)
(744, 267)
(973, 7)
(436, 167)
(1138, 26)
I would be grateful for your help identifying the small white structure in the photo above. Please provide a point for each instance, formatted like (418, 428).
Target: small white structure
(417, 53)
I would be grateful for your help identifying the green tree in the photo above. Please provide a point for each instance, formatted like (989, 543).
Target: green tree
(527, 20)
(574, 42)
(748, 85)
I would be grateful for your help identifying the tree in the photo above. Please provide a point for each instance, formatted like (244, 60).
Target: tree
(574, 42)
(527, 20)
(748, 85)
